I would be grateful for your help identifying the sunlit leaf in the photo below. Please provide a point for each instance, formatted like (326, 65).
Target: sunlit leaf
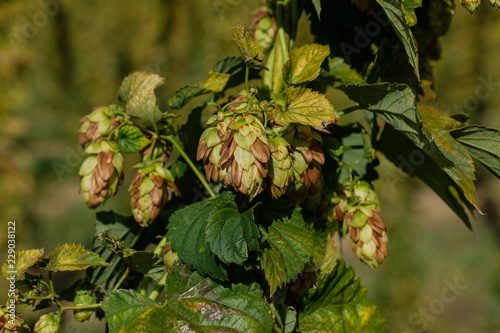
(339, 304)
(287, 247)
(409, 7)
(317, 6)
(305, 63)
(72, 257)
(23, 260)
(249, 49)
(307, 107)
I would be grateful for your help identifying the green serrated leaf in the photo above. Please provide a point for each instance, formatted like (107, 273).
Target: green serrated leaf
(178, 169)
(131, 140)
(461, 170)
(286, 317)
(187, 234)
(215, 82)
(395, 103)
(231, 234)
(72, 257)
(305, 62)
(249, 49)
(127, 311)
(317, 6)
(426, 169)
(338, 69)
(287, 247)
(23, 260)
(307, 107)
(339, 304)
(409, 7)
(395, 12)
(137, 93)
(483, 144)
(194, 304)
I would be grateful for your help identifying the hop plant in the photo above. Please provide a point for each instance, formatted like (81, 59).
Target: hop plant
(101, 172)
(151, 188)
(84, 297)
(235, 150)
(364, 223)
(7, 325)
(48, 323)
(307, 157)
(98, 124)
(495, 4)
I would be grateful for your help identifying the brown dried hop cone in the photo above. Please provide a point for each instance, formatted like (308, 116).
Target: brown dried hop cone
(10, 324)
(235, 150)
(307, 154)
(101, 172)
(365, 225)
(99, 123)
(151, 188)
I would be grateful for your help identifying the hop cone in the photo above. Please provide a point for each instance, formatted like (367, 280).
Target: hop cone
(98, 123)
(84, 297)
(471, 5)
(307, 155)
(265, 28)
(48, 323)
(8, 325)
(151, 188)
(495, 4)
(235, 151)
(280, 166)
(366, 226)
(440, 14)
(101, 173)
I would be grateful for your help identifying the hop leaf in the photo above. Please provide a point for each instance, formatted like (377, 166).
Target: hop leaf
(72, 257)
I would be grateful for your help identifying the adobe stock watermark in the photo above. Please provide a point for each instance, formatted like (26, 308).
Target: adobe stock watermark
(420, 320)
(73, 159)
(483, 91)
(31, 24)
(223, 6)
(363, 38)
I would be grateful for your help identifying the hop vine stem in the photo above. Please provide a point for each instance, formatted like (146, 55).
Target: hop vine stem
(191, 164)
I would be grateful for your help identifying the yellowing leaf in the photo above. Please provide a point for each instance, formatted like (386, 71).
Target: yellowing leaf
(459, 164)
(23, 260)
(137, 93)
(305, 63)
(248, 48)
(307, 107)
(215, 82)
(72, 257)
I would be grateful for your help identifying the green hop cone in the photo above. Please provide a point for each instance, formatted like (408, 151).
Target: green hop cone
(235, 150)
(101, 172)
(307, 158)
(471, 5)
(99, 123)
(365, 225)
(264, 29)
(151, 188)
(82, 298)
(11, 323)
(440, 14)
(495, 4)
(48, 323)
(280, 166)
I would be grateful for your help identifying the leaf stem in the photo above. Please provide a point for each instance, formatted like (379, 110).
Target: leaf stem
(247, 72)
(117, 285)
(80, 307)
(295, 21)
(191, 164)
(159, 287)
(281, 30)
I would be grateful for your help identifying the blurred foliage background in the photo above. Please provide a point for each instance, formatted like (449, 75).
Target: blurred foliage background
(60, 58)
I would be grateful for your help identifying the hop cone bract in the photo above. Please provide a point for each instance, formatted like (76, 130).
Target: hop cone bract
(8, 325)
(98, 124)
(101, 172)
(280, 166)
(48, 323)
(84, 297)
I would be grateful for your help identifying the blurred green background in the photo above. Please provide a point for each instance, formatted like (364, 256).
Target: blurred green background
(58, 59)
